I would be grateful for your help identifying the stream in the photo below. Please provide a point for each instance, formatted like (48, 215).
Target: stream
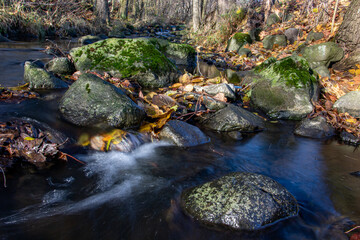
(136, 195)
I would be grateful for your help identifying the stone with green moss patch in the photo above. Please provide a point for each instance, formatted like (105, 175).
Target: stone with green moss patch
(285, 88)
(127, 58)
(238, 41)
(240, 201)
(39, 78)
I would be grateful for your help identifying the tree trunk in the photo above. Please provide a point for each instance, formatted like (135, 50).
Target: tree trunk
(349, 33)
(124, 9)
(102, 11)
(196, 15)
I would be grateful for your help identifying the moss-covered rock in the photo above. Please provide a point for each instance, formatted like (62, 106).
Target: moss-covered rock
(39, 78)
(91, 100)
(61, 66)
(127, 58)
(285, 88)
(270, 41)
(238, 41)
(240, 201)
(272, 19)
(323, 54)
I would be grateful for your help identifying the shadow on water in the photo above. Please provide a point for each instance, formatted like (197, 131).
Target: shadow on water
(136, 195)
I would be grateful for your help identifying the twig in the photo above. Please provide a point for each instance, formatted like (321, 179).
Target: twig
(68, 155)
(333, 19)
(57, 47)
(197, 63)
(352, 229)
(3, 176)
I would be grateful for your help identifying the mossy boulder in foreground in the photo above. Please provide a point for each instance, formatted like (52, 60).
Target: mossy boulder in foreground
(285, 88)
(238, 41)
(91, 100)
(241, 201)
(127, 58)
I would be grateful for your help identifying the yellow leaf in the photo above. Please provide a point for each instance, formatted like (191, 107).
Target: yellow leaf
(352, 71)
(176, 85)
(29, 138)
(357, 72)
(351, 120)
(315, 10)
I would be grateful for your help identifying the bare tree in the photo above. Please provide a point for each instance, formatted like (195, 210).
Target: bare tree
(196, 15)
(102, 11)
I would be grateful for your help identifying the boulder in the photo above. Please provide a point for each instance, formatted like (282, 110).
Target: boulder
(127, 58)
(89, 39)
(233, 118)
(239, 201)
(90, 101)
(179, 54)
(39, 78)
(285, 88)
(349, 103)
(270, 41)
(244, 51)
(323, 54)
(238, 41)
(183, 134)
(272, 19)
(315, 128)
(255, 34)
(292, 34)
(314, 36)
(323, 71)
(61, 66)
(209, 102)
(227, 89)
(349, 138)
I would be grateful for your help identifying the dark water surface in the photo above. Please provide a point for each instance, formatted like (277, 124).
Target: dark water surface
(136, 195)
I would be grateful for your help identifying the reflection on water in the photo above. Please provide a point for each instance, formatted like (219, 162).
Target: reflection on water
(136, 195)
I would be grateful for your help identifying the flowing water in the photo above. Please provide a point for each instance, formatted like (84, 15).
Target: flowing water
(136, 195)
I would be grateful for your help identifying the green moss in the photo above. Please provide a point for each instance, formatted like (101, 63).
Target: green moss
(293, 71)
(128, 57)
(242, 38)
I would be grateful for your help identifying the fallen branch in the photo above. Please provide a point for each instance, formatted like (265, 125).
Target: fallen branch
(68, 155)
(352, 229)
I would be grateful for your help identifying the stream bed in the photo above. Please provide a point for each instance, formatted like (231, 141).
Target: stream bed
(136, 195)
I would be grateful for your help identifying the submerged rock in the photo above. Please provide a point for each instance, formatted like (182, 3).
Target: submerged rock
(39, 78)
(315, 128)
(127, 58)
(238, 41)
(233, 118)
(285, 88)
(349, 138)
(61, 66)
(349, 103)
(270, 41)
(90, 101)
(323, 54)
(240, 201)
(183, 134)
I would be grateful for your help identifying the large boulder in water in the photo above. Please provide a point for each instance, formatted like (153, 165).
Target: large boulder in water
(91, 100)
(238, 41)
(183, 134)
(315, 128)
(233, 118)
(241, 201)
(349, 103)
(127, 58)
(39, 78)
(285, 89)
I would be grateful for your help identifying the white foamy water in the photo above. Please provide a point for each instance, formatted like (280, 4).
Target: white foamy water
(119, 177)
